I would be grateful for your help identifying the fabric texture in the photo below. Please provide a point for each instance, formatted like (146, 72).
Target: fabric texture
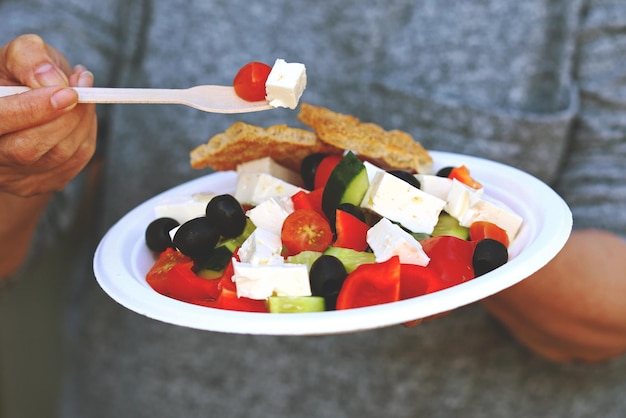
(538, 84)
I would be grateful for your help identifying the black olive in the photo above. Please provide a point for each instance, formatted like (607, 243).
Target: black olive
(196, 238)
(308, 168)
(225, 212)
(444, 172)
(352, 210)
(158, 234)
(327, 275)
(406, 176)
(489, 254)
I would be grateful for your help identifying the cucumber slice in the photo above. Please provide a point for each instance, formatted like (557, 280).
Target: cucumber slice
(449, 225)
(233, 243)
(215, 263)
(351, 259)
(348, 183)
(304, 257)
(295, 304)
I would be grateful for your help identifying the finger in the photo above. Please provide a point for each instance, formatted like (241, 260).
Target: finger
(34, 108)
(412, 324)
(82, 137)
(44, 147)
(81, 77)
(30, 61)
(26, 183)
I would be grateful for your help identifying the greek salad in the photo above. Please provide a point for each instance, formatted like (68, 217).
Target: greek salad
(342, 233)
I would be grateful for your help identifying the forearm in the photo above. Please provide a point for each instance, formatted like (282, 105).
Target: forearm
(572, 309)
(20, 216)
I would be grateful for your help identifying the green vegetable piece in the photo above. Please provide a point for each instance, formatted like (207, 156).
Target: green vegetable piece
(348, 183)
(304, 257)
(295, 304)
(449, 225)
(351, 259)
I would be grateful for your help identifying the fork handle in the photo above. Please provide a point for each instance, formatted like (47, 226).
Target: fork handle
(111, 95)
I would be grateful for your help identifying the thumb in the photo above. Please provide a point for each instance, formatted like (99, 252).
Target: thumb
(28, 60)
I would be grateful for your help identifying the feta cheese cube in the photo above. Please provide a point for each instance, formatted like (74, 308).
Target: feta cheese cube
(387, 239)
(460, 198)
(371, 170)
(263, 281)
(469, 206)
(255, 188)
(183, 208)
(271, 214)
(262, 247)
(285, 84)
(435, 185)
(269, 166)
(400, 202)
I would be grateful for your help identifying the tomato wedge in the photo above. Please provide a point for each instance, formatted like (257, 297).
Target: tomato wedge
(371, 284)
(305, 230)
(351, 231)
(480, 230)
(462, 174)
(450, 259)
(249, 83)
(172, 276)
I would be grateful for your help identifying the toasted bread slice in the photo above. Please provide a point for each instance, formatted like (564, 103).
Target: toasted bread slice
(396, 148)
(242, 142)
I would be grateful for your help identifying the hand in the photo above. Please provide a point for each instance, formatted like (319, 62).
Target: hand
(46, 138)
(573, 308)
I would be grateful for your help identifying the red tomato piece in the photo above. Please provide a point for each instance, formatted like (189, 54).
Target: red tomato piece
(325, 167)
(249, 83)
(172, 276)
(305, 229)
(157, 275)
(462, 174)
(371, 284)
(226, 281)
(480, 230)
(351, 231)
(450, 259)
(309, 200)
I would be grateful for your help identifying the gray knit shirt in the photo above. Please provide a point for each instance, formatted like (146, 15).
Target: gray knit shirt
(537, 84)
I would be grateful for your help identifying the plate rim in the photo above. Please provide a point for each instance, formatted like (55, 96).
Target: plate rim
(120, 285)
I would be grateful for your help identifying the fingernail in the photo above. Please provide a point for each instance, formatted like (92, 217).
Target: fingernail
(64, 99)
(85, 79)
(48, 75)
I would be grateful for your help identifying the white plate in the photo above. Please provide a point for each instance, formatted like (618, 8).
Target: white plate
(122, 260)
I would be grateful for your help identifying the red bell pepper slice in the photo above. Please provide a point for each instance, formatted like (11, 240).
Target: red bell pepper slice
(229, 300)
(351, 231)
(480, 230)
(462, 174)
(309, 200)
(371, 284)
(417, 281)
(325, 167)
(450, 259)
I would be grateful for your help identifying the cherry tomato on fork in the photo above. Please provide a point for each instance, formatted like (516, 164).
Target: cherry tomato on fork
(249, 83)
